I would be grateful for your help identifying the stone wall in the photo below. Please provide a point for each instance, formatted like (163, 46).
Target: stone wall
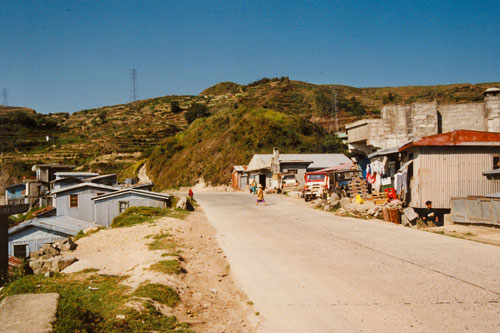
(471, 116)
(401, 123)
(424, 119)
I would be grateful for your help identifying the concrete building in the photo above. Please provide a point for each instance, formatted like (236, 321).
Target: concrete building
(402, 123)
(443, 166)
(108, 206)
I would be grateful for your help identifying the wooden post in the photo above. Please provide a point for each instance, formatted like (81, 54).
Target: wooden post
(5, 211)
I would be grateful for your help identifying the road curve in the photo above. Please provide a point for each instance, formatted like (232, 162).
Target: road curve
(310, 271)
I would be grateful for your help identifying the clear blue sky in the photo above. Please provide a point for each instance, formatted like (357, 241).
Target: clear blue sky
(63, 56)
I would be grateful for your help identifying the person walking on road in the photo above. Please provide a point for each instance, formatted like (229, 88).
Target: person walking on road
(260, 196)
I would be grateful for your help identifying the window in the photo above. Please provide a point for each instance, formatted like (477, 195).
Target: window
(123, 206)
(496, 162)
(73, 201)
(20, 251)
(294, 171)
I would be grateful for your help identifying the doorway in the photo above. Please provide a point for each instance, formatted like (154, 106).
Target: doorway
(262, 180)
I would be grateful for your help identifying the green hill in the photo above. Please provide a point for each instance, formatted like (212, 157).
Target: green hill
(240, 120)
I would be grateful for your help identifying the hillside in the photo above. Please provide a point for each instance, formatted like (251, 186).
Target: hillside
(113, 138)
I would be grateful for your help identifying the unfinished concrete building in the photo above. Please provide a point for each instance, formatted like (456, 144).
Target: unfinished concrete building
(402, 123)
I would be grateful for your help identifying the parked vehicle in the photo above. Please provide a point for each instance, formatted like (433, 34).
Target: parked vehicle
(288, 181)
(332, 180)
(317, 185)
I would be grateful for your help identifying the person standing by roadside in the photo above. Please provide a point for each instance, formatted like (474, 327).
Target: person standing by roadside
(260, 196)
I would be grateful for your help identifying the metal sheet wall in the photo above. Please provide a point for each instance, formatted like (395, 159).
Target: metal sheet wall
(446, 172)
(476, 210)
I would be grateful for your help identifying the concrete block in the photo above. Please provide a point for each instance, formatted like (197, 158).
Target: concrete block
(448, 219)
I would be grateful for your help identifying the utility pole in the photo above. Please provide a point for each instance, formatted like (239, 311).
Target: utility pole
(5, 96)
(134, 94)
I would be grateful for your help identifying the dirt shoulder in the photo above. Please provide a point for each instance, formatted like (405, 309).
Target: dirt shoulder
(210, 299)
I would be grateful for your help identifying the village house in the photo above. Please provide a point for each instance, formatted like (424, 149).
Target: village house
(265, 169)
(443, 166)
(80, 200)
(108, 206)
(30, 235)
(239, 177)
(14, 194)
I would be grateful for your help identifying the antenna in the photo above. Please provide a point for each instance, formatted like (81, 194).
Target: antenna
(5, 96)
(134, 93)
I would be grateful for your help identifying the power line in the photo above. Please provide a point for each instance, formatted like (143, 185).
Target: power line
(5, 96)
(134, 93)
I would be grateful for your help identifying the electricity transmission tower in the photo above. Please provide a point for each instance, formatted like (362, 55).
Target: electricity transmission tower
(334, 109)
(5, 96)
(134, 93)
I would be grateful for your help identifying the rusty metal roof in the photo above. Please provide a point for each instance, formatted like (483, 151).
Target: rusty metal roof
(457, 138)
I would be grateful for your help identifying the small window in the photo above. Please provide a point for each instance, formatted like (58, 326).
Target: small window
(20, 251)
(123, 206)
(73, 201)
(496, 162)
(294, 171)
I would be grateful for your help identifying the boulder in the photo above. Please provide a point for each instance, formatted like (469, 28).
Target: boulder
(50, 250)
(344, 202)
(333, 197)
(318, 203)
(55, 264)
(327, 207)
(66, 244)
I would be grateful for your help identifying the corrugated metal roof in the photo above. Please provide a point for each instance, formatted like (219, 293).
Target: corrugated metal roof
(239, 168)
(64, 224)
(383, 152)
(319, 161)
(101, 177)
(133, 190)
(93, 185)
(345, 166)
(75, 174)
(457, 138)
(492, 89)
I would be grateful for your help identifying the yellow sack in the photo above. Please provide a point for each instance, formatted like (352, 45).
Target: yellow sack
(359, 199)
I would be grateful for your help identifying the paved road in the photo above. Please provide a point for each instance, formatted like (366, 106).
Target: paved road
(310, 271)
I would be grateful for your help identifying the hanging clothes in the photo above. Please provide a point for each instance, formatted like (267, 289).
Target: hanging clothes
(377, 183)
(400, 182)
(371, 177)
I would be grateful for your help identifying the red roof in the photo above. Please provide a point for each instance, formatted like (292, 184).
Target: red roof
(345, 166)
(457, 138)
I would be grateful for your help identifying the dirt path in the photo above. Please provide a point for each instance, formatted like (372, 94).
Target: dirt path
(210, 299)
(143, 177)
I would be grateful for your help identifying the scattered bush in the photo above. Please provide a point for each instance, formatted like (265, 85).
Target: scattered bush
(195, 111)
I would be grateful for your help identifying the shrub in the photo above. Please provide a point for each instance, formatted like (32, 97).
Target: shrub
(195, 111)
(175, 107)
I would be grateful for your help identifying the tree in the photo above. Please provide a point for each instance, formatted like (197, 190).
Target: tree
(195, 111)
(175, 107)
